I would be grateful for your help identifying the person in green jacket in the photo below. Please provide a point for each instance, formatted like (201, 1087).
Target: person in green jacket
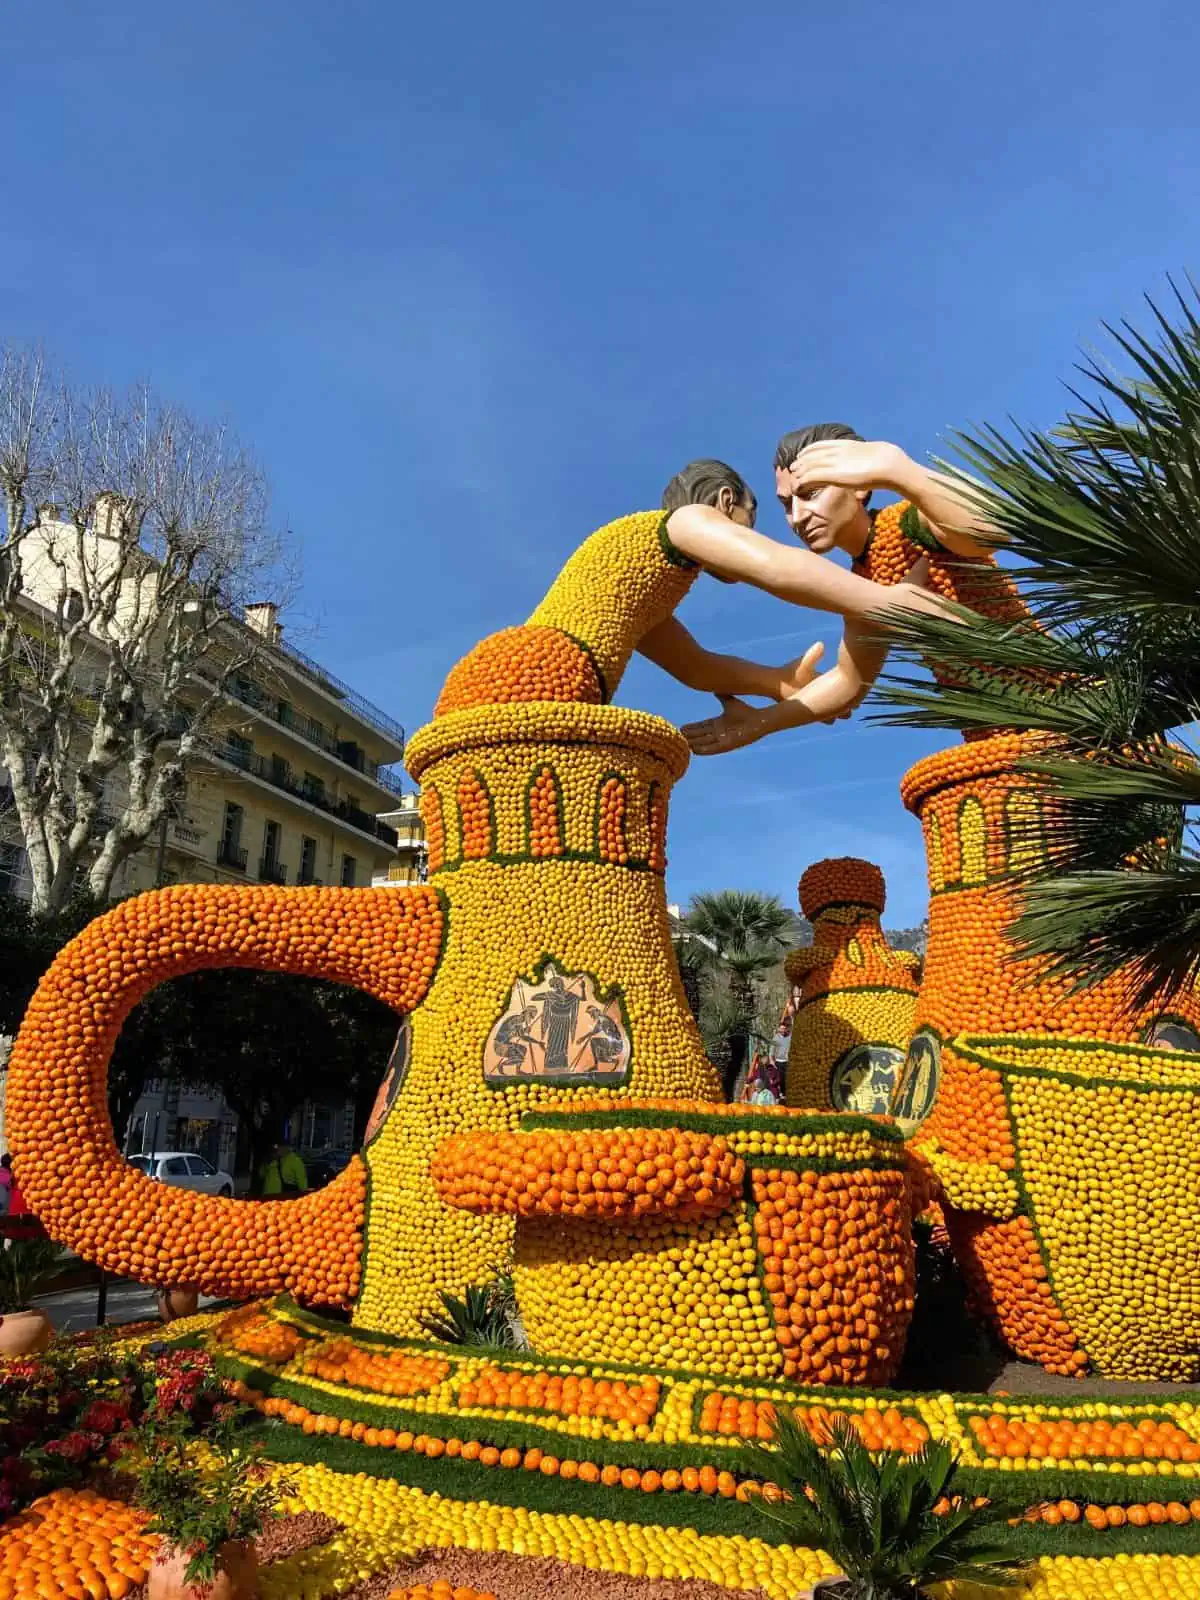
(283, 1175)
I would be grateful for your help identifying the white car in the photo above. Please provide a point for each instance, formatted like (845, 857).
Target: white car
(184, 1170)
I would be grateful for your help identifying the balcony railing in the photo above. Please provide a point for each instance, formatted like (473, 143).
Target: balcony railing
(230, 855)
(285, 716)
(279, 778)
(271, 871)
(342, 691)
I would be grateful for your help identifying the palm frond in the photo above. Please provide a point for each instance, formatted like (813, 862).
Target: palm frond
(1099, 516)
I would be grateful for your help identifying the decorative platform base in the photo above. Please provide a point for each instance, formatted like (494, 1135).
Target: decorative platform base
(629, 1470)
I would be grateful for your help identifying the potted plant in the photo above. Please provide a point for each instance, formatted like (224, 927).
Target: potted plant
(25, 1264)
(891, 1522)
(176, 1303)
(206, 1514)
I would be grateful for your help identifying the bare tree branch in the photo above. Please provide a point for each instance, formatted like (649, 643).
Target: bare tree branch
(134, 538)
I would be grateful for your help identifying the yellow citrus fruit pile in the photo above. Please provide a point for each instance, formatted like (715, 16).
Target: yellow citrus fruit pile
(615, 1173)
(602, 924)
(803, 1268)
(75, 1544)
(857, 994)
(56, 1111)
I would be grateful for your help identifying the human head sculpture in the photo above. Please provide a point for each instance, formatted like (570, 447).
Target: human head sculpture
(825, 517)
(712, 483)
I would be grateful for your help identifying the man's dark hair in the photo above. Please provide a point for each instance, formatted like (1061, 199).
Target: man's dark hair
(790, 446)
(700, 484)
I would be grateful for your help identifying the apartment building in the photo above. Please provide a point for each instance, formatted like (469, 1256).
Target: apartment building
(291, 789)
(298, 784)
(411, 861)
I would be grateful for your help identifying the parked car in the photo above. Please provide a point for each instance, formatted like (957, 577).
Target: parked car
(324, 1165)
(183, 1169)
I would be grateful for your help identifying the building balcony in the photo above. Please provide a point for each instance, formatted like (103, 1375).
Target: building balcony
(311, 731)
(271, 871)
(231, 856)
(279, 776)
(370, 714)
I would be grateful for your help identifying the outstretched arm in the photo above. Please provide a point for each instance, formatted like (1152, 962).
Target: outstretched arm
(671, 647)
(833, 695)
(864, 464)
(795, 575)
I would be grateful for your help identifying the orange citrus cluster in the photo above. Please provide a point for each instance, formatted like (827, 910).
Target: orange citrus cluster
(614, 1172)
(56, 1112)
(1007, 1277)
(475, 817)
(614, 844)
(744, 1418)
(441, 1589)
(251, 1333)
(528, 662)
(695, 1480)
(77, 1545)
(395, 1372)
(545, 815)
(433, 820)
(841, 880)
(1063, 1438)
(837, 1265)
(658, 829)
(612, 1399)
(1137, 1516)
(972, 581)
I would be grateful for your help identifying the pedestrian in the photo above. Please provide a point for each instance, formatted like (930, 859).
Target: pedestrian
(283, 1175)
(6, 1183)
(16, 1200)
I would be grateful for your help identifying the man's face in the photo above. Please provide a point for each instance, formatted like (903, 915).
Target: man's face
(821, 517)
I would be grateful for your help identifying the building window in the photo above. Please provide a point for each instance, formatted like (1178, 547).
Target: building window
(239, 750)
(349, 869)
(313, 788)
(269, 869)
(308, 859)
(230, 853)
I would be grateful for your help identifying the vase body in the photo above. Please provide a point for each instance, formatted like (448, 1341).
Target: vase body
(236, 1579)
(24, 1333)
(546, 828)
(1066, 1142)
(854, 1016)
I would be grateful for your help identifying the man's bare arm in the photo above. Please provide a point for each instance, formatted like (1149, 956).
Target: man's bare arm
(671, 647)
(795, 575)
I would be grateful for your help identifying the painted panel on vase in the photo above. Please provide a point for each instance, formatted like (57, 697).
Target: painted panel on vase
(558, 1027)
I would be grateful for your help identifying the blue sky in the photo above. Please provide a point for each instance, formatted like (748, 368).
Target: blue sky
(473, 280)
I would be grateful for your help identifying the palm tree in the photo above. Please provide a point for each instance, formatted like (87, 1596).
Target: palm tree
(1103, 517)
(750, 931)
(875, 1515)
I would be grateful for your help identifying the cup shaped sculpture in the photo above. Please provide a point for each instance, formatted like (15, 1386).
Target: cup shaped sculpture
(1045, 1117)
(538, 961)
(748, 1241)
(857, 995)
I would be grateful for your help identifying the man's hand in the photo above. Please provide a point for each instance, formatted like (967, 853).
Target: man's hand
(798, 674)
(738, 725)
(849, 464)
